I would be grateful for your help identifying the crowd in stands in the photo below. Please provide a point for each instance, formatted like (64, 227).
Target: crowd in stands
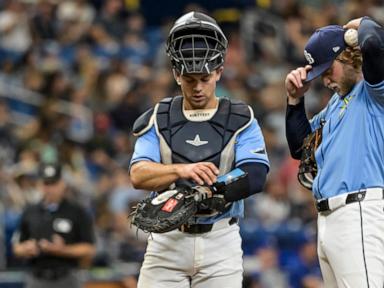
(74, 76)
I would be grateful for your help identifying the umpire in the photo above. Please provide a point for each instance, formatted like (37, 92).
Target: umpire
(54, 235)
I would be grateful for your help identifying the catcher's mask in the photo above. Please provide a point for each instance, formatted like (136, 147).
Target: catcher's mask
(196, 44)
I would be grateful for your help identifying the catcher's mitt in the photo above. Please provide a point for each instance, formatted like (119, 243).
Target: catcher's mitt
(165, 212)
(173, 208)
(308, 166)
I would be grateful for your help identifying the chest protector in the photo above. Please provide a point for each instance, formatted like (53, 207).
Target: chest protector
(188, 141)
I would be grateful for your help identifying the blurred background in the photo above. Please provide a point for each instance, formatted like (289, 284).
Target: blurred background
(74, 75)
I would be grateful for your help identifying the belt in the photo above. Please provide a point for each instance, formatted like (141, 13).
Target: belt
(50, 274)
(333, 203)
(204, 228)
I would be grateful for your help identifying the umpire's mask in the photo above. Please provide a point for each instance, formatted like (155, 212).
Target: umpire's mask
(196, 44)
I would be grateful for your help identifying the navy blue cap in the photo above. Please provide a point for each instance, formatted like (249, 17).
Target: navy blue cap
(322, 49)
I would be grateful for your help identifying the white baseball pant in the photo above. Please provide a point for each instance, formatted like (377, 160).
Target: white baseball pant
(351, 245)
(208, 260)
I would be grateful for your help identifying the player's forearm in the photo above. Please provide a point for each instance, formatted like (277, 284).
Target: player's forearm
(297, 127)
(371, 41)
(153, 176)
(25, 249)
(251, 184)
(20, 251)
(292, 100)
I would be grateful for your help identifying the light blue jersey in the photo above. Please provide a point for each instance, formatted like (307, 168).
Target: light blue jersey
(249, 147)
(351, 155)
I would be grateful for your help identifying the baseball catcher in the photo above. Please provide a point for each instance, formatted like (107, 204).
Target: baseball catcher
(194, 137)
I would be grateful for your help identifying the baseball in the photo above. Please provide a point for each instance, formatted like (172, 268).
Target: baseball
(350, 37)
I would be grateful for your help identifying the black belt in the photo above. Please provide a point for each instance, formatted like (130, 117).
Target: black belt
(323, 205)
(201, 228)
(50, 274)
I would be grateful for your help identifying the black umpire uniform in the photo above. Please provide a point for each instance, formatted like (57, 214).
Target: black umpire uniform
(54, 235)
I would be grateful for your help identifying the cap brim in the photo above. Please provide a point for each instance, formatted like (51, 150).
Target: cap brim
(318, 70)
(51, 180)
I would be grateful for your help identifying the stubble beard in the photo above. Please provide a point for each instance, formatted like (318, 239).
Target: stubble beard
(348, 81)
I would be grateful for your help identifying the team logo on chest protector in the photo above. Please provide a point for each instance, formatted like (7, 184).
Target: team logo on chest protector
(197, 142)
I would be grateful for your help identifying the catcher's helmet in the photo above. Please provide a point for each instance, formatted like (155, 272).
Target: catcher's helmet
(196, 44)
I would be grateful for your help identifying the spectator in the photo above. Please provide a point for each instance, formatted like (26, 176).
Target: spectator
(15, 36)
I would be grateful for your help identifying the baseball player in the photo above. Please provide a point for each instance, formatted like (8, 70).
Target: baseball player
(197, 137)
(349, 184)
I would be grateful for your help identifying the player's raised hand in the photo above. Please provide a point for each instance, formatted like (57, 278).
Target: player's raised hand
(353, 24)
(203, 173)
(295, 84)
